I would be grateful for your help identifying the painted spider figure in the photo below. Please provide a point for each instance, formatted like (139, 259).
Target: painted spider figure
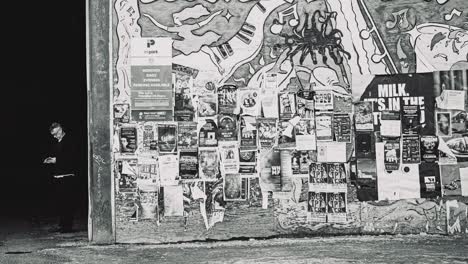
(317, 38)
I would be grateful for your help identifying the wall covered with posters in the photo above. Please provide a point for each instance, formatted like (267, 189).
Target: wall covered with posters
(261, 118)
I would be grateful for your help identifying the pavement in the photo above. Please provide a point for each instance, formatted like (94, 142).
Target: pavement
(24, 242)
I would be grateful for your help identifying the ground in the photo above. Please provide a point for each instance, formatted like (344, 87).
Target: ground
(23, 243)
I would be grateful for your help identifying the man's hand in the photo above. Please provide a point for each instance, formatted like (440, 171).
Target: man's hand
(50, 160)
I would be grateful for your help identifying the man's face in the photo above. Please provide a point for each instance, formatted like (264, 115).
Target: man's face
(57, 133)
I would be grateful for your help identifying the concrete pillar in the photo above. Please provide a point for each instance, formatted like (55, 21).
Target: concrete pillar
(100, 181)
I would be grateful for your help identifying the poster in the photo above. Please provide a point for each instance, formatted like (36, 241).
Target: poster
(235, 188)
(451, 181)
(331, 152)
(227, 127)
(187, 137)
(147, 179)
(305, 134)
(250, 101)
(342, 103)
(429, 180)
(464, 181)
(287, 105)
(410, 121)
(429, 148)
(337, 176)
(305, 107)
(390, 124)
(167, 137)
(286, 135)
(411, 151)
(318, 176)
(183, 77)
(270, 169)
(267, 132)
(342, 127)
(208, 163)
(364, 144)
(323, 100)
(392, 155)
(363, 116)
(227, 99)
(336, 207)
(149, 209)
(208, 133)
(150, 137)
(444, 124)
(121, 113)
(151, 79)
(188, 164)
(173, 201)
(207, 106)
(229, 154)
(323, 123)
(451, 99)
(300, 161)
(248, 162)
(286, 158)
(317, 207)
(168, 169)
(128, 139)
(127, 173)
(215, 203)
(248, 133)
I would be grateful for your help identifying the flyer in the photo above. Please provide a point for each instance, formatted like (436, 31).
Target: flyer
(286, 135)
(250, 101)
(429, 148)
(208, 163)
(207, 106)
(269, 104)
(331, 152)
(151, 79)
(410, 120)
(392, 155)
(121, 113)
(167, 137)
(305, 134)
(248, 162)
(233, 188)
(208, 133)
(305, 107)
(184, 107)
(451, 99)
(411, 151)
(168, 169)
(128, 139)
(187, 136)
(444, 124)
(323, 123)
(188, 164)
(227, 99)
(267, 132)
(336, 207)
(287, 105)
(317, 207)
(229, 157)
(342, 127)
(150, 137)
(323, 100)
(363, 116)
(248, 133)
(147, 179)
(173, 201)
(227, 127)
(390, 124)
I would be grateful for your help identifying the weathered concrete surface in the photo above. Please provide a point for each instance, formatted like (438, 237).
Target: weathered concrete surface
(360, 249)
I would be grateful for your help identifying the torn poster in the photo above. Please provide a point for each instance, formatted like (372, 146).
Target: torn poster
(168, 169)
(182, 80)
(392, 155)
(147, 179)
(267, 132)
(305, 107)
(207, 136)
(173, 201)
(167, 137)
(227, 127)
(451, 181)
(207, 106)
(127, 173)
(215, 203)
(233, 188)
(121, 113)
(250, 101)
(342, 127)
(248, 133)
(305, 134)
(229, 157)
(444, 124)
(363, 116)
(208, 167)
(365, 145)
(286, 136)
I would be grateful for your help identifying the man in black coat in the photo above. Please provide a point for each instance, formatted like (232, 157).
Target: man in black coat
(63, 157)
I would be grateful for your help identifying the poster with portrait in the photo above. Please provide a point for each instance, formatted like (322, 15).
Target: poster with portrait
(300, 161)
(182, 81)
(317, 207)
(207, 106)
(392, 155)
(208, 133)
(444, 124)
(128, 139)
(227, 99)
(267, 132)
(250, 101)
(167, 137)
(305, 134)
(248, 132)
(342, 127)
(227, 127)
(336, 207)
(287, 105)
(229, 155)
(188, 164)
(187, 137)
(429, 148)
(208, 163)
